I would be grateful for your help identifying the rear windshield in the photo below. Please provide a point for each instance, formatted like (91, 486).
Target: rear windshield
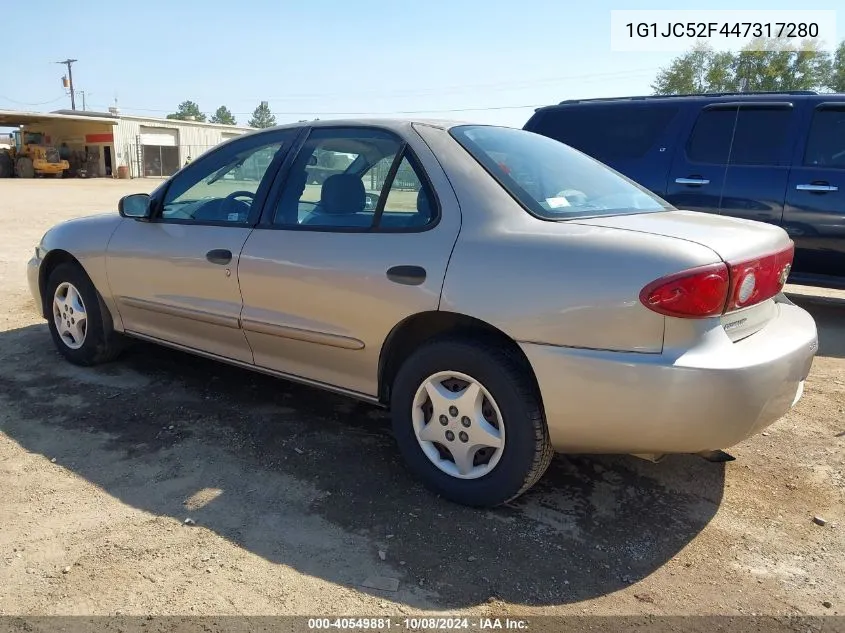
(552, 180)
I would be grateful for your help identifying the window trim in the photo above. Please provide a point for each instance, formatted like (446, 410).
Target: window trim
(405, 151)
(160, 194)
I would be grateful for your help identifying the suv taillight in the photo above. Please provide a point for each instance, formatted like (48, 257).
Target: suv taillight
(718, 288)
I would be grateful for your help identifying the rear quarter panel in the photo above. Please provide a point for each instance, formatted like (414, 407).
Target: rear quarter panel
(556, 283)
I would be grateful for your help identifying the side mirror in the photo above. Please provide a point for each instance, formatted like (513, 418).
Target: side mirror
(135, 206)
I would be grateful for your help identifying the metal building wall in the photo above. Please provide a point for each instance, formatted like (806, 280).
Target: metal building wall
(194, 139)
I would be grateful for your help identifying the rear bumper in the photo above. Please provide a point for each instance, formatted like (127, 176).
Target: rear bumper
(705, 399)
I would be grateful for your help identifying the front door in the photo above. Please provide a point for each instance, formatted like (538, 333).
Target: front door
(758, 166)
(342, 258)
(815, 197)
(174, 277)
(698, 170)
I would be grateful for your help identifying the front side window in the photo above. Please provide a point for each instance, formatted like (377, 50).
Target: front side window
(760, 136)
(354, 179)
(222, 186)
(826, 143)
(552, 180)
(710, 141)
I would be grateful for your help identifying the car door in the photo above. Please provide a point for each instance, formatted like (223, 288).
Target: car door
(174, 275)
(815, 196)
(337, 263)
(759, 160)
(697, 175)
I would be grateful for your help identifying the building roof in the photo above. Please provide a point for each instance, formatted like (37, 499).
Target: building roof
(15, 118)
(138, 117)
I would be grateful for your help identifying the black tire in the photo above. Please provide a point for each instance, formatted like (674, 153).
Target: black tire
(527, 452)
(101, 344)
(7, 168)
(24, 168)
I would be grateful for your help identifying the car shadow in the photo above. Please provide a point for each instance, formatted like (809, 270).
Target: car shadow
(313, 481)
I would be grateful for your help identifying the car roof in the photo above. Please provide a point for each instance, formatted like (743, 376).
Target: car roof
(700, 97)
(391, 123)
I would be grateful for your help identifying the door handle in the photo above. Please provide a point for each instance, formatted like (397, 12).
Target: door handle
(692, 181)
(817, 188)
(219, 256)
(406, 275)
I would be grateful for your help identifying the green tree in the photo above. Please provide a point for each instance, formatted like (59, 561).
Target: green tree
(778, 66)
(262, 117)
(224, 116)
(837, 73)
(781, 67)
(187, 111)
(700, 70)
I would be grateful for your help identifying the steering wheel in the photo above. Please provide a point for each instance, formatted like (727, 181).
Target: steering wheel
(240, 194)
(228, 205)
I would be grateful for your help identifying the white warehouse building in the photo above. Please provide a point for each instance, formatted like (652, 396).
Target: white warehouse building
(112, 144)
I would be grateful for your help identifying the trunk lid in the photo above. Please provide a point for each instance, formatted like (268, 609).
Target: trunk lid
(732, 239)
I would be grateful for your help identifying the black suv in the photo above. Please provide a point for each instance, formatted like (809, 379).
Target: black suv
(771, 157)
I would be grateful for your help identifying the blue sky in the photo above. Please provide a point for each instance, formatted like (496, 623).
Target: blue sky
(315, 58)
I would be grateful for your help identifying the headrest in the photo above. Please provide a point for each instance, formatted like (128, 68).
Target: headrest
(343, 193)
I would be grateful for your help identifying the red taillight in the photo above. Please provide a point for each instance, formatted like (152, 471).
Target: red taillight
(694, 293)
(759, 279)
(713, 290)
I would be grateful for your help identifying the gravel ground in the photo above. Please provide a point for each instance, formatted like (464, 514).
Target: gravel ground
(300, 500)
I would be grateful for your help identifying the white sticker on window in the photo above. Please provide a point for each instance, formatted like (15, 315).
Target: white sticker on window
(234, 217)
(556, 203)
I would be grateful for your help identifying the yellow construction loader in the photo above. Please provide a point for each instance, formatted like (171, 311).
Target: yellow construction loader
(31, 157)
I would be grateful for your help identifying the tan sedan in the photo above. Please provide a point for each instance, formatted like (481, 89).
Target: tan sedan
(505, 295)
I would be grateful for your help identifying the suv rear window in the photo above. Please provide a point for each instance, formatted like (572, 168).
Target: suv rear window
(552, 180)
(826, 143)
(608, 133)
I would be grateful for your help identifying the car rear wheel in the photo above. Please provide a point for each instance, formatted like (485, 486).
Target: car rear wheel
(468, 420)
(76, 318)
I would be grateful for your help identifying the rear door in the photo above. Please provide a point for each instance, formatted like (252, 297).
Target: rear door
(815, 197)
(758, 165)
(700, 163)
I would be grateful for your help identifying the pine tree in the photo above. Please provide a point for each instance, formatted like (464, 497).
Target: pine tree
(262, 117)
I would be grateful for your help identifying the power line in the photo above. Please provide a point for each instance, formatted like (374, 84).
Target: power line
(585, 78)
(25, 103)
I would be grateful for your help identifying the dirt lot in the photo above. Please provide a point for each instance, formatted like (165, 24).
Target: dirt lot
(299, 497)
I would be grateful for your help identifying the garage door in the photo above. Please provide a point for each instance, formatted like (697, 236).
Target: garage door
(159, 136)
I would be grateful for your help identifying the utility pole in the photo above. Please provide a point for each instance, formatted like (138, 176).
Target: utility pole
(69, 63)
(84, 108)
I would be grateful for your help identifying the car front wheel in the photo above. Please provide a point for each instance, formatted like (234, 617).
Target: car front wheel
(76, 318)
(468, 420)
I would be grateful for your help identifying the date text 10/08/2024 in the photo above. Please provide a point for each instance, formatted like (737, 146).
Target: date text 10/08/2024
(417, 624)
(715, 29)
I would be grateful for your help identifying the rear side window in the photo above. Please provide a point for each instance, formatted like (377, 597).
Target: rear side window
(608, 133)
(760, 136)
(826, 143)
(710, 141)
